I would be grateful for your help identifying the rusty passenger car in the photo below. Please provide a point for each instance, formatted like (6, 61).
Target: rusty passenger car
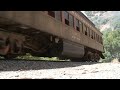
(63, 34)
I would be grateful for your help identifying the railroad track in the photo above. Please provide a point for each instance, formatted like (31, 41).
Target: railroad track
(23, 64)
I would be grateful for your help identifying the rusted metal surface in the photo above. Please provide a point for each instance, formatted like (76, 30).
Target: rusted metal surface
(72, 49)
(43, 22)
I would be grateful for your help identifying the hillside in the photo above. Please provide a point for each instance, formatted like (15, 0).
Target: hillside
(104, 20)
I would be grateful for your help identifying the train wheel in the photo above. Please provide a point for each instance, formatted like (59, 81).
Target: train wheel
(97, 57)
(7, 47)
(15, 48)
(87, 58)
(91, 57)
(8, 50)
(8, 56)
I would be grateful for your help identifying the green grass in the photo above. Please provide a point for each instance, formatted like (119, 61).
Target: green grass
(30, 57)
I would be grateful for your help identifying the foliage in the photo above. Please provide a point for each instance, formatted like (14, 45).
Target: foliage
(111, 44)
(111, 34)
(30, 57)
(96, 17)
(100, 18)
(1, 57)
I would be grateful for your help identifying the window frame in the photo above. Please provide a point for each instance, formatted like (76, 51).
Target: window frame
(66, 20)
(77, 24)
(58, 17)
(51, 13)
(71, 20)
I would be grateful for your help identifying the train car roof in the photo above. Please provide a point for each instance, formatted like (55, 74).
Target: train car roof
(86, 18)
(81, 14)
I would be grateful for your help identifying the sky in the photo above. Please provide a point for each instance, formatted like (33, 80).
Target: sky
(83, 13)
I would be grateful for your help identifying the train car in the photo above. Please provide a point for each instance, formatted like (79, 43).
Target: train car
(64, 34)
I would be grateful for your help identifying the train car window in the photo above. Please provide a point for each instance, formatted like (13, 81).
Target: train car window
(58, 15)
(71, 20)
(66, 16)
(91, 34)
(101, 40)
(94, 35)
(85, 30)
(97, 38)
(77, 25)
(82, 28)
(80, 25)
(51, 13)
(88, 32)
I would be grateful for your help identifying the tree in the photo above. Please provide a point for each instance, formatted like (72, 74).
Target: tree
(112, 44)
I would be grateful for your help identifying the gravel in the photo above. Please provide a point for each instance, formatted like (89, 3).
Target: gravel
(20, 69)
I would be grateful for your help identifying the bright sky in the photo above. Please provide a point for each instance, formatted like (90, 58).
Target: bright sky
(83, 13)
